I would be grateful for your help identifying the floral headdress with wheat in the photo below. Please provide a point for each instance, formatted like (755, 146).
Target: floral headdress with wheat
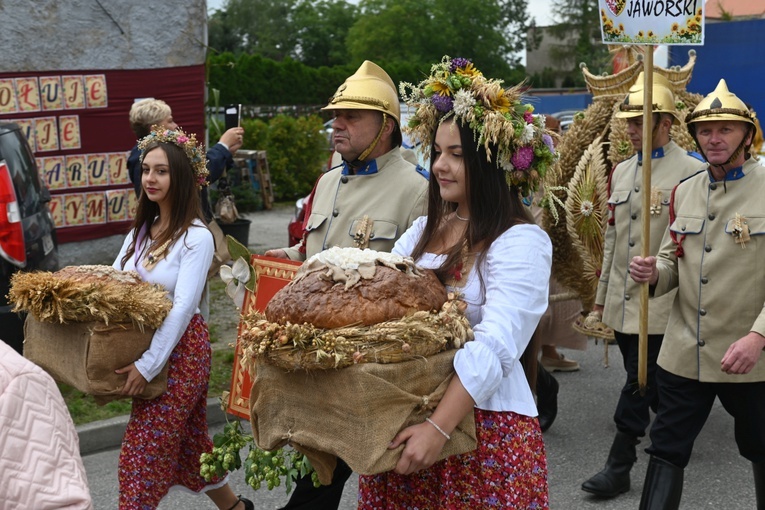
(194, 151)
(498, 118)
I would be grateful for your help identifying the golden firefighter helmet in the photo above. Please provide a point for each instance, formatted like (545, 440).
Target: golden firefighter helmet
(663, 99)
(721, 104)
(369, 88)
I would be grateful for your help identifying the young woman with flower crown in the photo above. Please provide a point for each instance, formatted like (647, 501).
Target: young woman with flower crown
(166, 436)
(487, 150)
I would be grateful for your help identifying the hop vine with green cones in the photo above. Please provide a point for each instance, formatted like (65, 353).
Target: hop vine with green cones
(259, 465)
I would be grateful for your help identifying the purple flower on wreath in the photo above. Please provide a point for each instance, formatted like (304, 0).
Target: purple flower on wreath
(522, 158)
(442, 103)
(547, 139)
(528, 117)
(458, 63)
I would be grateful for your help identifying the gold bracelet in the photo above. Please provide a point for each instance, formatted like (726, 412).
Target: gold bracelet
(438, 428)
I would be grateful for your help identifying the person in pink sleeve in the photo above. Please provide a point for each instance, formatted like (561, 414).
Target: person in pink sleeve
(40, 464)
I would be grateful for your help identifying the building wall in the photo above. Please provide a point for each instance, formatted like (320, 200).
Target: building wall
(44, 35)
(539, 59)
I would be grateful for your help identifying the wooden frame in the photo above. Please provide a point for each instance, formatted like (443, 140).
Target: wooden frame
(271, 274)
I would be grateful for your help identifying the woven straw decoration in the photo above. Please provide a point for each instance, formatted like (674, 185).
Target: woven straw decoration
(567, 264)
(305, 347)
(89, 293)
(587, 212)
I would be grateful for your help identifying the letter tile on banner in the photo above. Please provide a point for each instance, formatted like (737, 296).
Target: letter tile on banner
(51, 93)
(118, 168)
(28, 94)
(95, 88)
(8, 96)
(271, 274)
(53, 170)
(69, 129)
(28, 129)
(46, 134)
(132, 205)
(673, 22)
(117, 204)
(98, 170)
(76, 171)
(56, 207)
(74, 209)
(95, 207)
(74, 92)
(72, 120)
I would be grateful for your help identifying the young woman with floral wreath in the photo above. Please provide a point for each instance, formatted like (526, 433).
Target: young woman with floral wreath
(487, 151)
(170, 245)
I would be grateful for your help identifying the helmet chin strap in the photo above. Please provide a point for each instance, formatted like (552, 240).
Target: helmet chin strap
(359, 161)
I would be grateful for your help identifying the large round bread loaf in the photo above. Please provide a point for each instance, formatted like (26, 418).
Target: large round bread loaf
(324, 295)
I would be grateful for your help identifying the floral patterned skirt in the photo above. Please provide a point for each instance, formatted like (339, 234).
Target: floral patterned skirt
(507, 470)
(166, 435)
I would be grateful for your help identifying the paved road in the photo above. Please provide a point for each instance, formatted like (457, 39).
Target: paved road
(577, 443)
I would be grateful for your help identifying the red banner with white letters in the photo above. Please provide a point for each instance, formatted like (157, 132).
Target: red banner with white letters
(77, 125)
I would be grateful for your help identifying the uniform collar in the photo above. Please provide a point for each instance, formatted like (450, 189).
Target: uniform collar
(733, 174)
(655, 154)
(368, 168)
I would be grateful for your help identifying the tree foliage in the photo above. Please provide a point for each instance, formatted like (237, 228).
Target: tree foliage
(412, 33)
(321, 30)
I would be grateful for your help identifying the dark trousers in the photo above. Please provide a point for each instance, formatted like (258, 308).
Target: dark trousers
(684, 406)
(632, 414)
(325, 497)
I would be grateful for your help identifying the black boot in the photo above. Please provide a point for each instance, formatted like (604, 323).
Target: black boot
(614, 479)
(547, 397)
(663, 486)
(759, 483)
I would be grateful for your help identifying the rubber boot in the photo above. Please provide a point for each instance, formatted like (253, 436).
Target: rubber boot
(614, 479)
(759, 483)
(663, 486)
(547, 397)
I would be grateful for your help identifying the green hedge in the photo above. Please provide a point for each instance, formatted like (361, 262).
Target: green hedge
(297, 152)
(255, 80)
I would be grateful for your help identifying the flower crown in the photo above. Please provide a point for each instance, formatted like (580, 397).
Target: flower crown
(455, 88)
(195, 152)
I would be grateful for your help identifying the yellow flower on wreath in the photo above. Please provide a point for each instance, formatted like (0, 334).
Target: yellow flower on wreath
(675, 27)
(498, 99)
(440, 88)
(470, 71)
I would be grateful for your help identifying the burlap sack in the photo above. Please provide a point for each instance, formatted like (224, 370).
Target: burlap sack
(85, 355)
(352, 413)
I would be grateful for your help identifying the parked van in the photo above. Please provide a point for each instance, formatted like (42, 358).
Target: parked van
(27, 231)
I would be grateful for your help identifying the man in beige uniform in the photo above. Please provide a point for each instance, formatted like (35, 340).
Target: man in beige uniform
(368, 201)
(374, 195)
(617, 295)
(713, 254)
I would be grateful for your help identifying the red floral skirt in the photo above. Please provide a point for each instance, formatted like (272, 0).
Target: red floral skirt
(166, 435)
(507, 470)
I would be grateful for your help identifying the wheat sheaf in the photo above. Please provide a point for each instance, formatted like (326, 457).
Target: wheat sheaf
(587, 212)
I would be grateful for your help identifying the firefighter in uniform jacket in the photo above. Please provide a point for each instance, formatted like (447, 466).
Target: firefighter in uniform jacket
(374, 195)
(617, 295)
(714, 255)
